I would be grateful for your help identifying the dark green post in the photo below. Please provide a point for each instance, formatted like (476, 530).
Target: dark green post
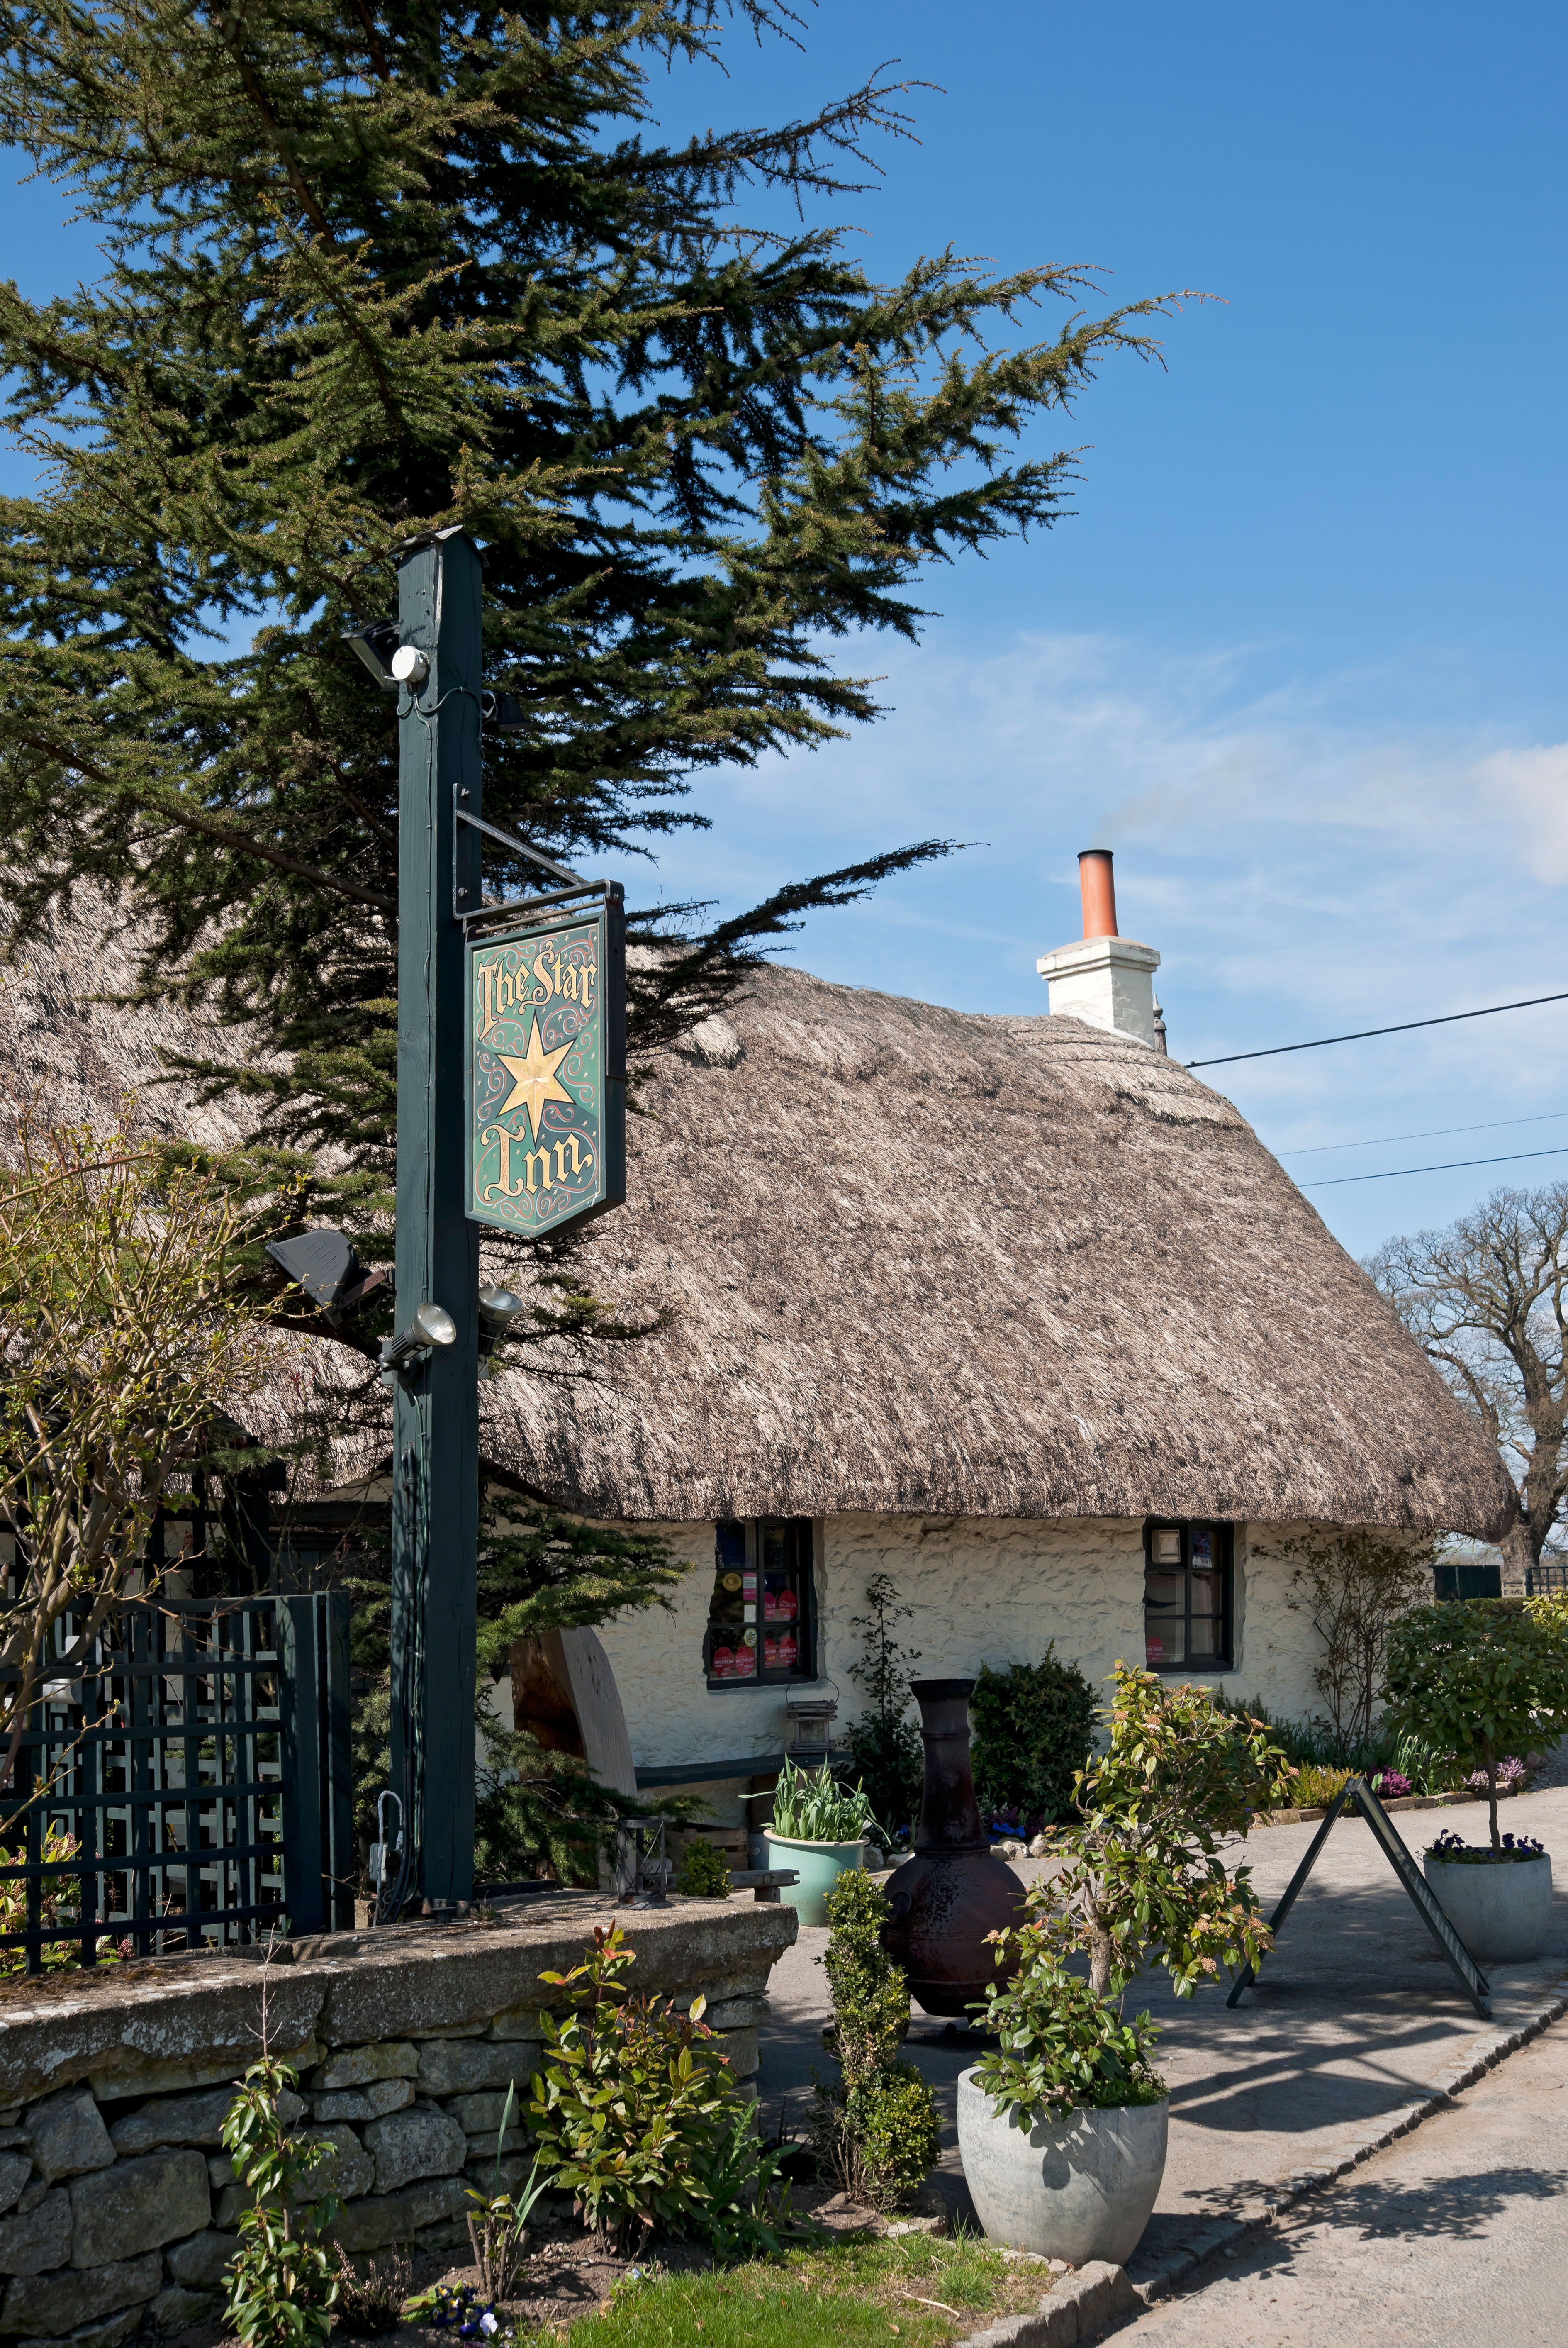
(435, 1423)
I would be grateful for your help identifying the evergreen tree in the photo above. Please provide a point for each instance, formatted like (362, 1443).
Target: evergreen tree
(377, 266)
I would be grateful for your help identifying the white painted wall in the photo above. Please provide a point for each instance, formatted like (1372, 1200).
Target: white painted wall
(984, 1590)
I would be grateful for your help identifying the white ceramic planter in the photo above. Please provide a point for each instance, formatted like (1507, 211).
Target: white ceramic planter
(1078, 2188)
(1501, 1911)
(819, 1865)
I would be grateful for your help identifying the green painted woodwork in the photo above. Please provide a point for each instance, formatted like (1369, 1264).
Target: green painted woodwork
(435, 1427)
(547, 1093)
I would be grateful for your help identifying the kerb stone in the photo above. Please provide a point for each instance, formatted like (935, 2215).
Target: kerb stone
(137, 2205)
(56, 2303)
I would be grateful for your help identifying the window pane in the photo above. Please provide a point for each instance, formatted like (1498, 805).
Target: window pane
(1206, 1638)
(757, 1623)
(1203, 1549)
(1164, 1593)
(1164, 1643)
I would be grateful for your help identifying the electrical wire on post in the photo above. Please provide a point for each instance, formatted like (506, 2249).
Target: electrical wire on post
(1451, 1166)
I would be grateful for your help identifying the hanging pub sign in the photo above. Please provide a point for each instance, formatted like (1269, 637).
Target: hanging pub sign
(546, 1068)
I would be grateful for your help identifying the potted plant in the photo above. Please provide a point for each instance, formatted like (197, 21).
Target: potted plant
(1481, 1678)
(819, 1828)
(1062, 2129)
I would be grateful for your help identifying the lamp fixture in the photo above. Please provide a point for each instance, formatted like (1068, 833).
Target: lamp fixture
(410, 666)
(432, 1325)
(499, 1308)
(376, 644)
(323, 1262)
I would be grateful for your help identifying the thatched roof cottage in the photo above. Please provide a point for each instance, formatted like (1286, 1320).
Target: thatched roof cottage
(1015, 1310)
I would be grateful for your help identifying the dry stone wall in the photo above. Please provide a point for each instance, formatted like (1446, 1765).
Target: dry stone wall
(118, 2202)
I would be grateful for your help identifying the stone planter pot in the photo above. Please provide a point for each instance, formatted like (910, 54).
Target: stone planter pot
(1077, 2188)
(818, 1864)
(1500, 1909)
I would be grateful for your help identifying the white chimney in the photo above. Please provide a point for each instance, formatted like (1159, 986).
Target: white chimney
(1104, 979)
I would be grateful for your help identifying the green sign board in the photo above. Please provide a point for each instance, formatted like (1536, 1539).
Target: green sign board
(546, 1070)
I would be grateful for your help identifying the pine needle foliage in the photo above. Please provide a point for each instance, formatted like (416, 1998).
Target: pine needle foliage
(377, 266)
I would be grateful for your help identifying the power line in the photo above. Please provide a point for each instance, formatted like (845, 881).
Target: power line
(1428, 1133)
(1360, 1035)
(1331, 1181)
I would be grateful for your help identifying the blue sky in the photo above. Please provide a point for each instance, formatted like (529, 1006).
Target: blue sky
(1299, 656)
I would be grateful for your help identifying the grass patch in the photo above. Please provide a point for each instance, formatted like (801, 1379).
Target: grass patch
(924, 2291)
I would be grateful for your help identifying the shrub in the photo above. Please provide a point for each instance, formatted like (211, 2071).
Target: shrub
(1391, 1786)
(886, 1749)
(1316, 1788)
(1357, 1585)
(1479, 1677)
(636, 2110)
(282, 2283)
(1033, 1730)
(704, 1871)
(1315, 1741)
(1141, 1869)
(877, 2128)
(371, 2303)
(1059, 2045)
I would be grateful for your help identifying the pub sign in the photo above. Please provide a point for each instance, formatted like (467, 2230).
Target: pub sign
(546, 1070)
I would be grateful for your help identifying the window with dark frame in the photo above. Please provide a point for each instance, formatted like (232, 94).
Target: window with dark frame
(1188, 1581)
(762, 1625)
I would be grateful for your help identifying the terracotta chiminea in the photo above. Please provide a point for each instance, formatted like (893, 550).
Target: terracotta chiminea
(954, 1892)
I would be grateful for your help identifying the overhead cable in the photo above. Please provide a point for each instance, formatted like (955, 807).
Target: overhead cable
(1358, 1034)
(1428, 1133)
(1330, 1181)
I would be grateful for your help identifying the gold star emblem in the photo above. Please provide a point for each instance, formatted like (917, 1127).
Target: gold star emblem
(534, 1080)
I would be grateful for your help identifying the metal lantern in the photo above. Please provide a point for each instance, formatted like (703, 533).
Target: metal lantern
(811, 1715)
(641, 1871)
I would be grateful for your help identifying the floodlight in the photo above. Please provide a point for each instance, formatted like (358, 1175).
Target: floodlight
(501, 712)
(325, 1264)
(500, 1306)
(431, 1325)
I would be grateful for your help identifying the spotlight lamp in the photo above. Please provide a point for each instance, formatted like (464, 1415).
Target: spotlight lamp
(324, 1264)
(375, 643)
(432, 1325)
(499, 1308)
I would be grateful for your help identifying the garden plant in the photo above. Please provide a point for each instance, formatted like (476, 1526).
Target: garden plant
(811, 1805)
(878, 2128)
(705, 1872)
(1141, 1873)
(885, 1746)
(636, 2114)
(1484, 1678)
(282, 2283)
(1032, 1729)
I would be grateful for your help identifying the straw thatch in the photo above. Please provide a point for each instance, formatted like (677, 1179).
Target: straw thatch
(965, 1266)
(919, 1262)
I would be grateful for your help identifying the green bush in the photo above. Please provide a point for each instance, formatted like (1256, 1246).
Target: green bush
(886, 1753)
(1315, 1743)
(1315, 1788)
(282, 2283)
(634, 2102)
(704, 1871)
(1031, 1729)
(877, 2128)
(1059, 2045)
(1480, 1678)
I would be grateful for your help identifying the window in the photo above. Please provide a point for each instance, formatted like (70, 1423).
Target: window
(761, 1624)
(1187, 1579)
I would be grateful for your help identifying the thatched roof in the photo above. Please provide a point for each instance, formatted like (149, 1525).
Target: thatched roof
(927, 1261)
(918, 1261)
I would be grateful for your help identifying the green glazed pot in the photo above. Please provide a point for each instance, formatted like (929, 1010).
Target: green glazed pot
(819, 1865)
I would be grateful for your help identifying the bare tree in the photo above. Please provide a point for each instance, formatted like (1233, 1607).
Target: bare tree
(1487, 1299)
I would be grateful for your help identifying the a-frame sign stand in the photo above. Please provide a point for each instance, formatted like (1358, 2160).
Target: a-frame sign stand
(1356, 1791)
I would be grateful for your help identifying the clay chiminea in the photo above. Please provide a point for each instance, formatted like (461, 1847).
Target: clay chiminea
(954, 1891)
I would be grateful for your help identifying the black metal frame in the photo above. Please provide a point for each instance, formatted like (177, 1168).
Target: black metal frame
(804, 1531)
(1468, 1974)
(197, 1747)
(1224, 1566)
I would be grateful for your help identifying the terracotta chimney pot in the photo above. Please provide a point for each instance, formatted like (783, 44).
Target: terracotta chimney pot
(1098, 883)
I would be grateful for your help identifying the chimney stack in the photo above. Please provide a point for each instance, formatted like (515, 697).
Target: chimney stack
(1103, 978)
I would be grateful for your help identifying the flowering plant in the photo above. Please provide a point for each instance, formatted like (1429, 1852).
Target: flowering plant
(456, 2307)
(1391, 1786)
(1453, 1849)
(1510, 1775)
